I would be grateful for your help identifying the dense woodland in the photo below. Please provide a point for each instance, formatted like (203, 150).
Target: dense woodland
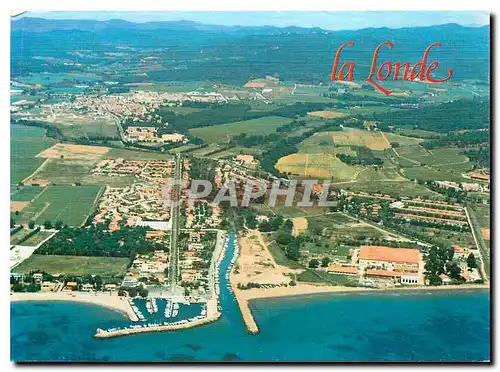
(98, 241)
(444, 118)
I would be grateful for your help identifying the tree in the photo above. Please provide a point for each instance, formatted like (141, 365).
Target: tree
(47, 224)
(284, 238)
(31, 225)
(292, 251)
(143, 292)
(58, 225)
(325, 261)
(453, 270)
(314, 263)
(471, 261)
(132, 292)
(12, 223)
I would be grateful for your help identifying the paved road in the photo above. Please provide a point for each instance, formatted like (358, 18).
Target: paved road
(174, 234)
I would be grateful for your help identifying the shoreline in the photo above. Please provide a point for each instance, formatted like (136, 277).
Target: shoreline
(310, 289)
(112, 302)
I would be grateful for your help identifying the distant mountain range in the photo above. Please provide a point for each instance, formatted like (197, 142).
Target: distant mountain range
(195, 51)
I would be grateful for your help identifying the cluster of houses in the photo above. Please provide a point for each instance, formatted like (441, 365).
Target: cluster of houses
(463, 186)
(150, 134)
(143, 200)
(194, 260)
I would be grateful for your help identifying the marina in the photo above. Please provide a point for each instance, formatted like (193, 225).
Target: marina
(164, 314)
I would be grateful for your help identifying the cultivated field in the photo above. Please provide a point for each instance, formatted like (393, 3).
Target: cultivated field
(403, 140)
(36, 239)
(64, 172)
(17, 206)
(322, 143)
(321, 166)
(19, 236)
(357, 137)
(75, 265)
(71, 205)
(74, 152)
(327, 114)
(223, 132)
(25, 144)
(129, 154)
(25, 193)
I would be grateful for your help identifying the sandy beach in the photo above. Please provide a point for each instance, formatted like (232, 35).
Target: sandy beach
(256, 264)
(112, 301)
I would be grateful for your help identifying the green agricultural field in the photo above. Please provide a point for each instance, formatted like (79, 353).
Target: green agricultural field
(203, 151)
(383, 174)
(223, 132)
(75, 265)
(482, 212)
(181, 149)
(25, 193)
(36, 239)
(132, 154)
(433, 173)
(333, 229)
(403, 140)
(418, 132)
(436, 157)
(18, 236)
(65, 172)
(393, 188)
(320, 166)
(99, 128)
(322, 143)
(71, 205)
(25, 144)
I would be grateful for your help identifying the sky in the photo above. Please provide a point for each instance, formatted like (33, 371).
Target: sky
(325, 20)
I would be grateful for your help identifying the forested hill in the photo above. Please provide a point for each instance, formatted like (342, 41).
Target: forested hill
(192, 51)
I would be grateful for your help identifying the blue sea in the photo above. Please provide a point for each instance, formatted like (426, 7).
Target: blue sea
(417, 326)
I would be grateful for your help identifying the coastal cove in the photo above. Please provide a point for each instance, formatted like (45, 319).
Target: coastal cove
(439, 326)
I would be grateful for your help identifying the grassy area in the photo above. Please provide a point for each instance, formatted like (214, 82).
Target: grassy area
(393, 188)
(25, 193)
(280, 257)
(335, 232)
(25, 144)
(132, 154)
(318, 276)
(75, 265)
(402, 140)
(37, 238)
(357, 137)
(322, 166)
(18, 236)
(66, 172)
(222, 132)
(432, 174)
(322, 142)
(71, 205)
